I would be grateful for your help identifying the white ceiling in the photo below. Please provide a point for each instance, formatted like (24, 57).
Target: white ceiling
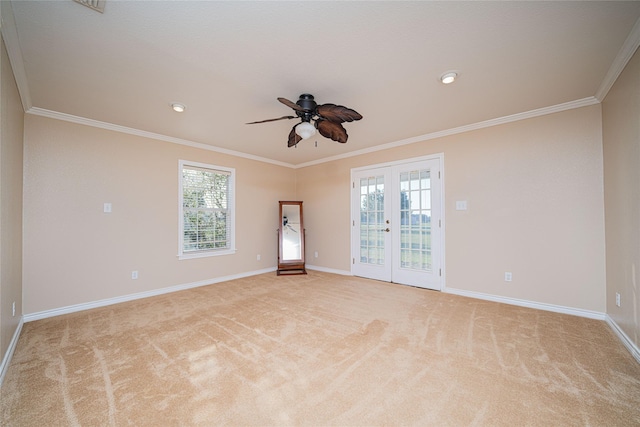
(229, 61)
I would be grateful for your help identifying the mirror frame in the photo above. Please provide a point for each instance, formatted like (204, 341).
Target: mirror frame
(290, 266)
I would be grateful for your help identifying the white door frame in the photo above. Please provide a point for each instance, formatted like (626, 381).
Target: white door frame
(355, 243)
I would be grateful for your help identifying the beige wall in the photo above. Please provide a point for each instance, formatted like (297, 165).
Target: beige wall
(535, 208)
(75, 253)
(621, 141)
(534, 190)
(11, 129)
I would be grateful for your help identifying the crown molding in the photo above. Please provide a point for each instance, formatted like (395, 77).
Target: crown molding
(12, 43)
(625, 53)
(10, 36)
(145, 134)
(585, 102)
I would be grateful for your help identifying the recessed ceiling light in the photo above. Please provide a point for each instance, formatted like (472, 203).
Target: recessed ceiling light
(448, 77)
(177, 107)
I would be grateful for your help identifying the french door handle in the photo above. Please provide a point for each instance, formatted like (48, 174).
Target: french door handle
(386, 229)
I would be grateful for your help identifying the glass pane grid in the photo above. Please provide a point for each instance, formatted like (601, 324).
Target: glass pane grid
(372, 220)
(415, 220)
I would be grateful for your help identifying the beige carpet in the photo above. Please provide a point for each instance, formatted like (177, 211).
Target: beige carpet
(319, 350)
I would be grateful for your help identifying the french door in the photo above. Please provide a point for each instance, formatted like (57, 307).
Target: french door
(397, 222)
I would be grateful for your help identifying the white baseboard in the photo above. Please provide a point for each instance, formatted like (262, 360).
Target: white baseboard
(530, 304)
(110, 301)
(6, 360)
(328, 270)
(633, 349)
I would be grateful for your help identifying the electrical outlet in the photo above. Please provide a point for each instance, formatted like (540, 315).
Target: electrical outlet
(134, 274)
(258, 257)
(315, 254)
(508, 276)
(617, 299)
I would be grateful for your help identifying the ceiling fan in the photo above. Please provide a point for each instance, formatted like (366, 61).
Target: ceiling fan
(327, 119)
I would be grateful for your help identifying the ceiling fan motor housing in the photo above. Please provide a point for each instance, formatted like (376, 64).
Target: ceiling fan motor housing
(307, 102)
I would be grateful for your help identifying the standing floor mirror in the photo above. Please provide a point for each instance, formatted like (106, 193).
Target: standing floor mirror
(291, 239)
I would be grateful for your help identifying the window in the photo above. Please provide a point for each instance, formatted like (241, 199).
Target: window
(207, 211)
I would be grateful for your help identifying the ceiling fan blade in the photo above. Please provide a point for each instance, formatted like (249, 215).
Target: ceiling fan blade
(294, 138)
(272, 120)
(290, 104)
(337, 113)
(332, 130)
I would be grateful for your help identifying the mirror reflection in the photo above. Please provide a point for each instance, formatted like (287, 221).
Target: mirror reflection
(291, 239)
(291, 236)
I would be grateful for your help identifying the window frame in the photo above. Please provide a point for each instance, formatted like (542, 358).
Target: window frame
(231, 211)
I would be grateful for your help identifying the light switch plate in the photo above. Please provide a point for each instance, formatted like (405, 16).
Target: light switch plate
(107, 208)
(461, 205)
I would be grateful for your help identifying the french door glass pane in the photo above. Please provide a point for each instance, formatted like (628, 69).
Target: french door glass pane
(372, 220)
(415, 220)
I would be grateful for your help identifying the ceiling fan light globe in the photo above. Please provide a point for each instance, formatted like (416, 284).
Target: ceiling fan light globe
(305, 130)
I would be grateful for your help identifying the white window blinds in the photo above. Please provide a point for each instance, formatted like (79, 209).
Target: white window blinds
(207, 210)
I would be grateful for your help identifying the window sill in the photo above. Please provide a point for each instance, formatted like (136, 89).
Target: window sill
(206, 254)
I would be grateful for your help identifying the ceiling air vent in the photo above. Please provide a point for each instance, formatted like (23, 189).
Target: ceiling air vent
(93, 4)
